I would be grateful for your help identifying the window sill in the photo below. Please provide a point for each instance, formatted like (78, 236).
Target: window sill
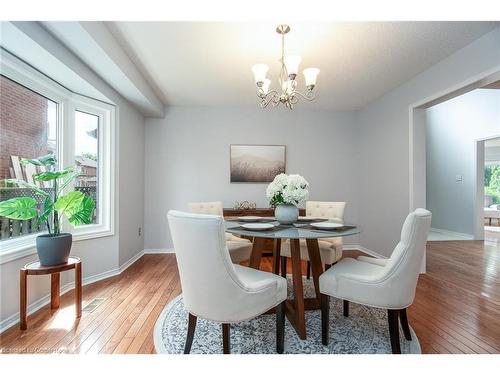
(26, 246)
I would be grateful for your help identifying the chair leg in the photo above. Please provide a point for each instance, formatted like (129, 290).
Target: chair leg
(226, 338)
(403, 318)
(308, 269)
(277, 256)
(346, 308)
(190, 334)
(280, 327)
(283, 267)
(392, 316)
(325, 318)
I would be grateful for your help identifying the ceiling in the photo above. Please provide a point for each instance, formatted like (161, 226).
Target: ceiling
(208, 64)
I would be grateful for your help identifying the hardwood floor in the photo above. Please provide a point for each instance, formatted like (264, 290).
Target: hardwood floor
(456, 309)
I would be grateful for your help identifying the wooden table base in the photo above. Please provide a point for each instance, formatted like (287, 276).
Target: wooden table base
(295, 309)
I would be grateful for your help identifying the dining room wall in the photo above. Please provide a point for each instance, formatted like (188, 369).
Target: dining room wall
(187, 159)
(384, 139)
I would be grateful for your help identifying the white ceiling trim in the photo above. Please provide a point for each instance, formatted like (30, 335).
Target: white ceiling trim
(95, 45)
(26, 40)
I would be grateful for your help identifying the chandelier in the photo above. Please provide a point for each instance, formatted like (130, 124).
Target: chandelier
(289, 95)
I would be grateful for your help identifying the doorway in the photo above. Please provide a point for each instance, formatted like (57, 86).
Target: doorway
(491, 187)
(460, 137)
(417, 144)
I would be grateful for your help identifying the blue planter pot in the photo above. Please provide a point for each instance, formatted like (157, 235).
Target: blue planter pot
(53, 250)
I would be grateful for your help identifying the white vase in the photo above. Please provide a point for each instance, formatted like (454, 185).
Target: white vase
(286, 213)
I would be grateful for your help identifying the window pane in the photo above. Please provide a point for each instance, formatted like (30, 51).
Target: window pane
(28, 129)
(87, 156)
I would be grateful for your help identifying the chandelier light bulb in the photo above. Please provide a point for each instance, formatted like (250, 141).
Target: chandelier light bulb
(289, 86)
(292, 65)
(265, 86)
(310, 75)
(259, 73)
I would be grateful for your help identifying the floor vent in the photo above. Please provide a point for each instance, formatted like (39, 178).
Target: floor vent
(92, 305)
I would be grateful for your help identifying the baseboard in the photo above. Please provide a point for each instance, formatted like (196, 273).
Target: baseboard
(38, 304)
(364, 250)
(445, 232)
(159, 251)
(131, 261)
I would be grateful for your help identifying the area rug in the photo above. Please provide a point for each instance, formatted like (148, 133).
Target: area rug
(365, 331)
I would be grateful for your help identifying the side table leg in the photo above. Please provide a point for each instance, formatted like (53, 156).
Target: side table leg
(78, 289)
(23, 293)
(55, 288)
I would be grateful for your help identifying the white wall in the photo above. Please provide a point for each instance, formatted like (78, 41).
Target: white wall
(383, 132)
(452, 129)
(130, 189)
(187, 158)
(101, 257)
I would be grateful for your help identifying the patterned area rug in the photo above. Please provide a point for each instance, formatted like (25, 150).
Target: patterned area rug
(365, 331)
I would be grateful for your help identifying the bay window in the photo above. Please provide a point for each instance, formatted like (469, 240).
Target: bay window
(38, 117)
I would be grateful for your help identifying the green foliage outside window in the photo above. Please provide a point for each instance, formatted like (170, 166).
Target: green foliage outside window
(492, 182)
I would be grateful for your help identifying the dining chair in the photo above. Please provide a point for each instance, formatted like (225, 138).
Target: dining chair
(240, 249)
(382, 283)
(214, 288)
(330, 248)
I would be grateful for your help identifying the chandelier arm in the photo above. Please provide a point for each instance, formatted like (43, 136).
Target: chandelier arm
(309, 95)
(261, 95)
(270, 97)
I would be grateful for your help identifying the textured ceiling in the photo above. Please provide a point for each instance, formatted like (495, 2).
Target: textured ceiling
(208, 64)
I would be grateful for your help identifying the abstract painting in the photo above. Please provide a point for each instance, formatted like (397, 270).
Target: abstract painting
(256, 163)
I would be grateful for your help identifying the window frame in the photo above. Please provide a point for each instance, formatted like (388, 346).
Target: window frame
(67, 102)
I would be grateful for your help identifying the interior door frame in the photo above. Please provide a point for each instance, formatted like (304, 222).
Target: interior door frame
(417, 139)
(479, 163)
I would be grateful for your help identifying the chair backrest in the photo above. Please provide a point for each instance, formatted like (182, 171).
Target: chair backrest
(210, 285)
(402, 269)
(210, 208)
(330, 210)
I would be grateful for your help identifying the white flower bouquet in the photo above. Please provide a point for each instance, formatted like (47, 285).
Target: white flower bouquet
(287, 189)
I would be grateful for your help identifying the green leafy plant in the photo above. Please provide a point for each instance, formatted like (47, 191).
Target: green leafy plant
(75, 205)
(492, 182)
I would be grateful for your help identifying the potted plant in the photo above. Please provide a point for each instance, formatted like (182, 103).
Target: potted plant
(285, 192)
(54, 247)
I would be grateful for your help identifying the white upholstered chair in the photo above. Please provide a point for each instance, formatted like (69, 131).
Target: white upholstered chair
(384, 283)
(214, 288)
(240, 249)
(330, 248)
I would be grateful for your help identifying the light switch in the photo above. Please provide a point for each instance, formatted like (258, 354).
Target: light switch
(459, 178)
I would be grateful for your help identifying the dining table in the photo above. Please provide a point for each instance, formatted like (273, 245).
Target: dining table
(295, 232)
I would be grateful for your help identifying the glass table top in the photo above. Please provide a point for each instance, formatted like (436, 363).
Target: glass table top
(297, 230)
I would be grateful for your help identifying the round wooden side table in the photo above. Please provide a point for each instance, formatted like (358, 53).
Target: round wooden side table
(35, 268)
